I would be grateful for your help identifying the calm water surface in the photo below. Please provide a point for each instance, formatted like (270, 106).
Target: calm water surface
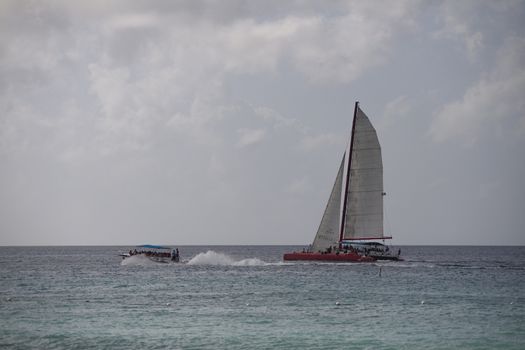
(232, 297)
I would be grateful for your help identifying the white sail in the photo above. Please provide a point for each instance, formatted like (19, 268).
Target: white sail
(328, 232)
(364, 199)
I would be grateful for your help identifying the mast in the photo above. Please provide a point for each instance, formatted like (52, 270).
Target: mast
(347, 177)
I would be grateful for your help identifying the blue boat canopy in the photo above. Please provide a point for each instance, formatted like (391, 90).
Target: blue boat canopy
(149, 246)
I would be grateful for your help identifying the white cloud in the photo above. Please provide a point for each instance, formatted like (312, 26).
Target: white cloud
(396, 110)
(134, 20)
(307, 140)
(145, 69)
(277, 119)
(342, 48)
(250, 136)
(496, 98)
(248, 46)
(459, 24)
(314, 142)
(477, 25)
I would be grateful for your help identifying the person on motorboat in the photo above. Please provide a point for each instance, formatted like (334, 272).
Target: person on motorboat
(175, 255)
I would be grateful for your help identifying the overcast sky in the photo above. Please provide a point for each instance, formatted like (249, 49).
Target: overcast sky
(224, 122)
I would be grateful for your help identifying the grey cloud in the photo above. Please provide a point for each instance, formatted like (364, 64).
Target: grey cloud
(490, 102)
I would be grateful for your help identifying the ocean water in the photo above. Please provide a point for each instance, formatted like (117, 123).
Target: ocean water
(246, 297)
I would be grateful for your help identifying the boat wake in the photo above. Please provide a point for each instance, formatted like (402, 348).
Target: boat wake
(221, 259)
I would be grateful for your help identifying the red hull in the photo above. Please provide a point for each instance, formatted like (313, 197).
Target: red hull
(334, 257)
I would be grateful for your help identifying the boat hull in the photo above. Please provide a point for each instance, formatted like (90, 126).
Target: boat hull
(156, 259)
(329, 257)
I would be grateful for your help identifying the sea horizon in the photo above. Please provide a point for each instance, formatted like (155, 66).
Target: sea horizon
(241, 245)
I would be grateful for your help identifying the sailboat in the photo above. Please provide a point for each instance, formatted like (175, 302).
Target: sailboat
(352, 223)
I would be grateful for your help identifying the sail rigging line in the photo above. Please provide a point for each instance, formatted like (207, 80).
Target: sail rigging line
(385, 207)
(368, 214)
(370, 168)
(347, 177)
(367, 238)
(363, 191)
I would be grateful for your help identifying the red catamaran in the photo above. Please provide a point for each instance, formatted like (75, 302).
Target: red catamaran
(352, 222)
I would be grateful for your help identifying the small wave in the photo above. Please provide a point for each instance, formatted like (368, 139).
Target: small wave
(405, 264)
(221, 259)
(480, 267)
